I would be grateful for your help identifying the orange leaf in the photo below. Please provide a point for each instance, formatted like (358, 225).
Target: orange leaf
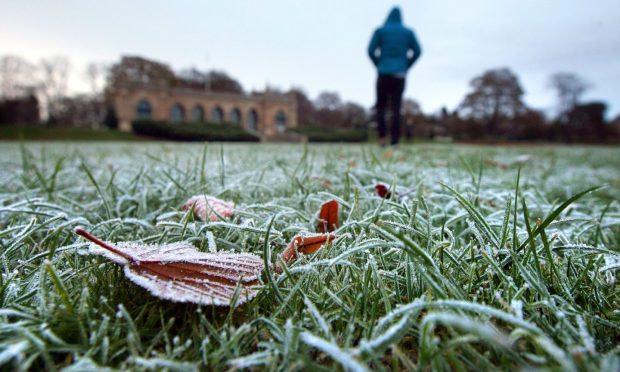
(328, 216)
(179, 272)
(306, 245)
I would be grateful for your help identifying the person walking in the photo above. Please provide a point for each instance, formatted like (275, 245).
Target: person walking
(393, 49)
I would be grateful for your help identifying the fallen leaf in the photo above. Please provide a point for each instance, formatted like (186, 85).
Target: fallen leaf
(328, 216)
(387, 155)
(494, 163)
(383, 191)
(209, 207)
(324, 182)
(522, 159)
(180, 273)
(304, 244)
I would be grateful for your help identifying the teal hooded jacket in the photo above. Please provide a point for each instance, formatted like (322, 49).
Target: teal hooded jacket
(390, 45)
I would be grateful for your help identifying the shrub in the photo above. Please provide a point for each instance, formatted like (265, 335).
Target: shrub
(111, 119)
(326, 134)
(184, 131)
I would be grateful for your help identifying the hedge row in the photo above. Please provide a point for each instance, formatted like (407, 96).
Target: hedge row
(183, 131)
(323, 134)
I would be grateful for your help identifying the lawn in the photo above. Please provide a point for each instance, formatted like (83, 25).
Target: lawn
(63, 133)
(484, 257)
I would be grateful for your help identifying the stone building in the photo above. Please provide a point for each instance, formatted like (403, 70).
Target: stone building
(267, 113)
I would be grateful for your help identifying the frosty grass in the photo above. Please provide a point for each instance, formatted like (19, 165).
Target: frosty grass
(455, 274)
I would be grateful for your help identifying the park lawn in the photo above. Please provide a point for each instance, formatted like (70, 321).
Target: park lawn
(46, 133)
(492, 257)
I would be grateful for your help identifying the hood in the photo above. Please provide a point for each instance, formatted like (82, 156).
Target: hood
(394, 16)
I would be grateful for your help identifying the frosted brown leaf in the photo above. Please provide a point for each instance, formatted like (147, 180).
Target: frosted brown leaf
(328, 216)
(178, 272)
(305, 245)
(209, 207)
(383, 191)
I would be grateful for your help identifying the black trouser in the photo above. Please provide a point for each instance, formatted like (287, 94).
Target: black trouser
(389, 90)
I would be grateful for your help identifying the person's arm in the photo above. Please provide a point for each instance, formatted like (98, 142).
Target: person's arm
(372, 47)
(417, 50)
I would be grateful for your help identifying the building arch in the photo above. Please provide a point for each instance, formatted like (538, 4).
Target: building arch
(177, 113)
(252, 120)
(217, 114)
(234, 116)
(144, 110)
(198, 114)
(281, 121)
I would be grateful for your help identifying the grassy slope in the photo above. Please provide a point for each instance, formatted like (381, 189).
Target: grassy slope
(442, 278)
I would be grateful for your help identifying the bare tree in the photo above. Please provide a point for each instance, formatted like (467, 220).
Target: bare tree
(131, 70)
(306, 112)
(411, 113)
(354, 115)
(496, 96)
(217, 81)
(569, 88)
(16, 77)
(95, 74)
(329, 110)
(54, 83)
(193, 78)
(410, 107)
(220, 81)
(328, 101)
(89, 110)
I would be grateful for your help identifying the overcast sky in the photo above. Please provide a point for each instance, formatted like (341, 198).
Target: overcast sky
(321, 44)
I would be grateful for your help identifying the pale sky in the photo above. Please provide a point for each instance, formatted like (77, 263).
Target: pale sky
(320, 45)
